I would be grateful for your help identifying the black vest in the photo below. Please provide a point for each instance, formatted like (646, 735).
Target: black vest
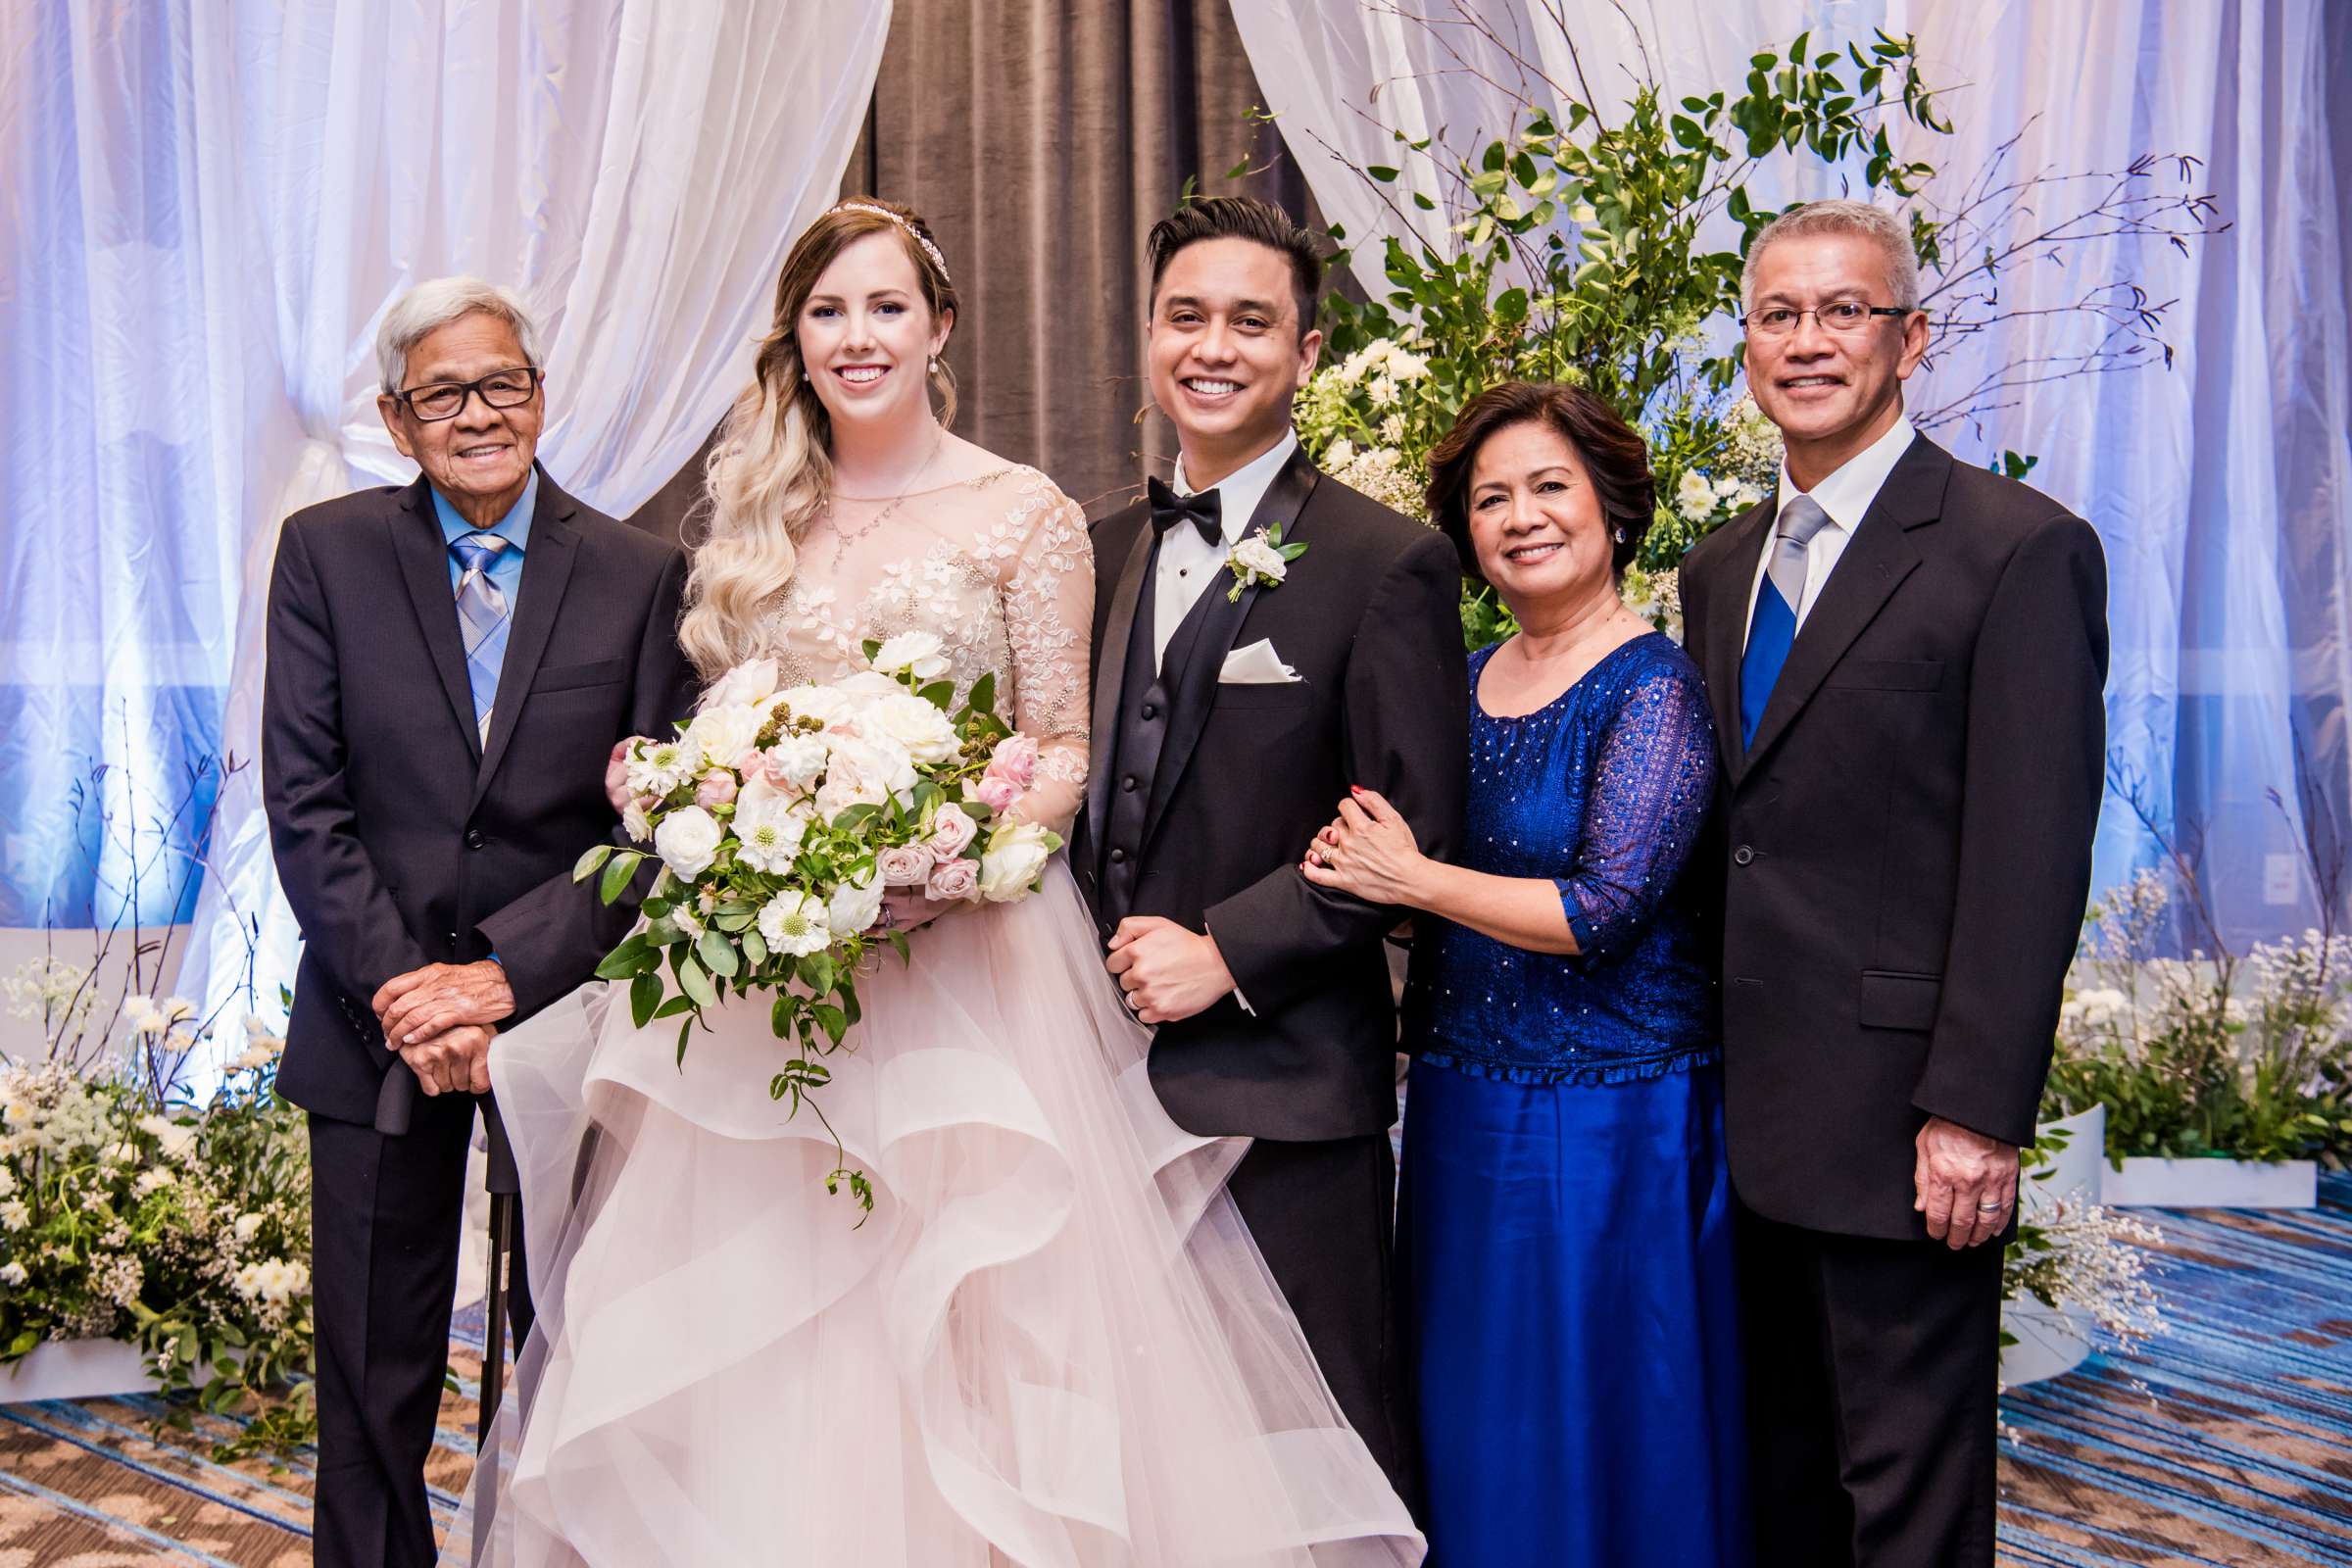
(1146, 709)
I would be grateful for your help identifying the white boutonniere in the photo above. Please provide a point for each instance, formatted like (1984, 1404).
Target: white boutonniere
(1261, 558)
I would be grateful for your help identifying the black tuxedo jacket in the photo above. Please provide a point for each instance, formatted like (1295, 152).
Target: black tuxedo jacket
(1369, 617)
(1905, 848)
(401, 839)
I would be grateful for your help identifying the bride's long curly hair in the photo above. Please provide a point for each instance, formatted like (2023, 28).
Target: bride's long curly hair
(770, 471)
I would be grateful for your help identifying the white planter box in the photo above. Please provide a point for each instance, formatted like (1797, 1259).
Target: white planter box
(75, 1369)
(2211, 1183)
(2076, 1171)
(2050, 1342)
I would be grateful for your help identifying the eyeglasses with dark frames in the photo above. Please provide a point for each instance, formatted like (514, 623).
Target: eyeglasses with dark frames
(446, 400)
(1839, 315)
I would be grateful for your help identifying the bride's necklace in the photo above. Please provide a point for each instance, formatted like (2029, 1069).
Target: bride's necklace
(843, 538)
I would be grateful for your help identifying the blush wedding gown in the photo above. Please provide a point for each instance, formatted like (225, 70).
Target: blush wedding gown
(1051, 1344)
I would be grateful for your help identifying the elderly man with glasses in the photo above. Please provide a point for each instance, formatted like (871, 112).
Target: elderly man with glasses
(450, 664)
(1905, 653)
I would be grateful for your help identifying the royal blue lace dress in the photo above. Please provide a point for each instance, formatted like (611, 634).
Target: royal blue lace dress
(1566, 1222)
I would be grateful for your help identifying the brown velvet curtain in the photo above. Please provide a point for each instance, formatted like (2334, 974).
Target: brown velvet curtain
(1042, 139)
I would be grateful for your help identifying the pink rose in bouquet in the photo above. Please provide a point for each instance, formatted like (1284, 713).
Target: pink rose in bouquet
(996, 793)
(951, 832)
(905, 865)
(715, 789)
(1015, 761)
(955, 881)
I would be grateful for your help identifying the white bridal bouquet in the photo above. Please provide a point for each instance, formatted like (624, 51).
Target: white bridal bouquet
(782, 816)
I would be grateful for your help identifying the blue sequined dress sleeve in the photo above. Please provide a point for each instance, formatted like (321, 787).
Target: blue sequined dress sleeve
(1603, 792)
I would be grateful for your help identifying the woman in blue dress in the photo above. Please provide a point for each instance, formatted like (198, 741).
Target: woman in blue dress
(1566, 1226)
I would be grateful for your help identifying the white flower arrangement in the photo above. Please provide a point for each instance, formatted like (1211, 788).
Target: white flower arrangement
(127, 1216)
(778, 840)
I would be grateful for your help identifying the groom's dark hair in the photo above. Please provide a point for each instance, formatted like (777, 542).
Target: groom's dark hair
(1241, 218)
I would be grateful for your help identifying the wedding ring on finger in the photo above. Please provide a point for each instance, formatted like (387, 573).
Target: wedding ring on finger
(1992, 1208)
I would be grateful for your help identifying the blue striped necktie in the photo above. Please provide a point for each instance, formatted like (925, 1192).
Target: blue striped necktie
(1774, 627)
(482, 616)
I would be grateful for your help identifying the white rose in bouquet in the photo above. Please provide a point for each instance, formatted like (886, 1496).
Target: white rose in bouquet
(918, 652)
(687, 842)
(794, 923)
(823, 704)
(723, 734)
(855, 905)
(901, 865)
(1260, 557)
(751, 682)
(1016, 857)
(638, 823)
(770, 832)
(921, 729)
(861, 771)
(866, 687)
(952, 829)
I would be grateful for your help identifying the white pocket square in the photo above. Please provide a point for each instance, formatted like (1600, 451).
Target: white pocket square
(1256, 665)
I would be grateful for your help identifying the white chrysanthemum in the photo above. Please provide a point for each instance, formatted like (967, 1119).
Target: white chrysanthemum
(14, 1215)
(13, 1275)
(769, 834)
(800, 759)
(8, 1182)
(153, 1179)
(916, 653)
(247, 1227)
(794, 923)
(656, 768)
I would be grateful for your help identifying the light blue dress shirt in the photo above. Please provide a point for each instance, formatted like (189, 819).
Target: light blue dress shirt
(506, 572)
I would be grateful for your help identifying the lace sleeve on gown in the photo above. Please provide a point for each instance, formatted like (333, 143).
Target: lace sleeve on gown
(1652, 779)
(1048, 603)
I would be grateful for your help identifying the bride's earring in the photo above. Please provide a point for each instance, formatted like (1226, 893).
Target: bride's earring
(935, 367)
(1621, 536)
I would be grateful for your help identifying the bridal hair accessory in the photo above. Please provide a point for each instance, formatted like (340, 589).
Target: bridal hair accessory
(929, 249)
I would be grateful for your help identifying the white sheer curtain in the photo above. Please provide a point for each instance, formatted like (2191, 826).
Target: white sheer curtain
(2222, 487)
(242, 187)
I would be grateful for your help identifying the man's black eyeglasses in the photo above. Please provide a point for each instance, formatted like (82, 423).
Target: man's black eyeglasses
(444, 399)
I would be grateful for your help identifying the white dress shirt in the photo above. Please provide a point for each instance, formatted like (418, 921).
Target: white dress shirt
(1844, 498)
(1189, 563)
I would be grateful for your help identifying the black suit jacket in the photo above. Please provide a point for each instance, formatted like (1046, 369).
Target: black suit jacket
(1905, 848)
(401, 839)
(1370, 620)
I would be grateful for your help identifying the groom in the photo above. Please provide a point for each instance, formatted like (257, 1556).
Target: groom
(1233, 711)
(449, 664)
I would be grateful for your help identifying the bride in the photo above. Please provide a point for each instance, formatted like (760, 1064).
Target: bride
(1053, 1342)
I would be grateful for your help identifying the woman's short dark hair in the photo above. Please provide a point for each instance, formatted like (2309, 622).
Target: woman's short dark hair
(1614, 455)
(1241, 218)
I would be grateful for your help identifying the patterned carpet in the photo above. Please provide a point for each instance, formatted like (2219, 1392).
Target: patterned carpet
(2228, 1442)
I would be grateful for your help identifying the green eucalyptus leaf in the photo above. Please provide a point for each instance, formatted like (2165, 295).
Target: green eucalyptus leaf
(585, 867)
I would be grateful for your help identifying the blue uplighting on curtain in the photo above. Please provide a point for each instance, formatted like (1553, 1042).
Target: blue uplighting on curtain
(120, 573)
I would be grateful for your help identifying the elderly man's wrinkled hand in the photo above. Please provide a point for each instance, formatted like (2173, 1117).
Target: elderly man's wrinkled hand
(456, 1062)
(423, 1002)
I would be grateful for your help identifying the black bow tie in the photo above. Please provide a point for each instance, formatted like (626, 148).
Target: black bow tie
(1200, 509)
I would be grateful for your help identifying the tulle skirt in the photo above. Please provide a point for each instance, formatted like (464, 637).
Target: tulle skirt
(1052, 1343)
